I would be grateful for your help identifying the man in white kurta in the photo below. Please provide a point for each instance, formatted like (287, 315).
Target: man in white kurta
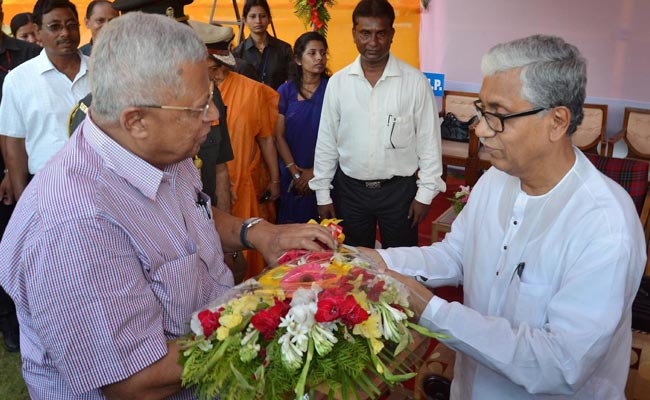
(549, 251)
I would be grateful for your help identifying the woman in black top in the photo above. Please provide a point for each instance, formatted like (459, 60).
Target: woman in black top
(270, 56)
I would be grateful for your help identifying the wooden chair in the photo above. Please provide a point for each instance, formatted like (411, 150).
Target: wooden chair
(635, 132)
(461, 154)
(592, 130)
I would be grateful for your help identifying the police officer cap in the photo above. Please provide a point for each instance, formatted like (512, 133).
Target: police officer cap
(217, 39)
(171, 8)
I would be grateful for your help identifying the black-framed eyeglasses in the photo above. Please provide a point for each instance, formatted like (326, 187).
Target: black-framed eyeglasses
(203, 110)
(56, 27)
(495, 121)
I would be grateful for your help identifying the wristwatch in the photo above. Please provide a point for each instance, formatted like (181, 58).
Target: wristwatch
(243, 232)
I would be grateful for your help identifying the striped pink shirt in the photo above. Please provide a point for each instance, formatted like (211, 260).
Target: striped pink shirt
(106, 257)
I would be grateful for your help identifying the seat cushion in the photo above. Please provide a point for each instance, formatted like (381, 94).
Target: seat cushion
(631, 174)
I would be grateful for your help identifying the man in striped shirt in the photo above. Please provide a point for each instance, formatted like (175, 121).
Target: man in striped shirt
(113, 245)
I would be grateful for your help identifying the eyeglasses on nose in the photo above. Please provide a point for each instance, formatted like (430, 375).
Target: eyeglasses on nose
(57, 27)
(496, 121)
(203, 110)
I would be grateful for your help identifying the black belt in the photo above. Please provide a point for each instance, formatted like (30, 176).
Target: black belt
(377, 183)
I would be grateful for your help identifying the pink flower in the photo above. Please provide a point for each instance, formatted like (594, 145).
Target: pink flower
(291, 255)
(304, 276)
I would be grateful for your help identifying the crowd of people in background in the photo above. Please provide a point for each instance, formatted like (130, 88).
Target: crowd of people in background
(114, 220)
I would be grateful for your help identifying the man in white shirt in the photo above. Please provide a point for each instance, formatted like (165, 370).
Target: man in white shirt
(39, 94)
(378, 128)
(549, 251)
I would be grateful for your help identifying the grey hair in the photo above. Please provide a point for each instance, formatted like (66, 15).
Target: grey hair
(553, 73)
(136, 61)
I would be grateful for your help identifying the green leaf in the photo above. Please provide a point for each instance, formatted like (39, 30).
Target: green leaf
(424, 331)
(240, 379)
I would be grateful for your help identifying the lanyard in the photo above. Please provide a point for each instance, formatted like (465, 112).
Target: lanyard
(266, 60)
(8, 69)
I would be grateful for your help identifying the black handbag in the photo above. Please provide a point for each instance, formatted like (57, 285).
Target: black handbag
(454, 129)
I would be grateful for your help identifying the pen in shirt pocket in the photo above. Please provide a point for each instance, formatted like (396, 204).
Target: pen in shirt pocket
(200, 201)
(520, 268)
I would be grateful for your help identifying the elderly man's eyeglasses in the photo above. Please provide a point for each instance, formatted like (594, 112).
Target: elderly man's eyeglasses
(496, 121)
(56, 27)
(203, 110)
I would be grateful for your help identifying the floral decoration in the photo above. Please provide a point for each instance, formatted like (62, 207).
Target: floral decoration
(314, 14)
(321, 321)
(460, 198)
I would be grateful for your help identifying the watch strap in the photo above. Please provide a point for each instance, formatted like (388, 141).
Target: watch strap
(243, 232)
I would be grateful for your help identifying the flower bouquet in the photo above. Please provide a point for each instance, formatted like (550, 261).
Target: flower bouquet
(314, 13)
(323, 322)
(460, 198)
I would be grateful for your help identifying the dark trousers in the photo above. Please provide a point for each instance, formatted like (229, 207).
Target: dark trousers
(364, 204)
(7, 309)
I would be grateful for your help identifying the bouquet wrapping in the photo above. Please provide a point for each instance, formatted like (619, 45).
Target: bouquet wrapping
(319, 322)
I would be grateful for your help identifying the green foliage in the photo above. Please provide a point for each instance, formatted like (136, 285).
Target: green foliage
(12, 385)
(349, 364)
(305, 11)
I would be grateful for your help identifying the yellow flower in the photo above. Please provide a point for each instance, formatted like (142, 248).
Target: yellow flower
(222, 333)
(377, 345)
(338, 268)
(230, 320)
(327, 222)
(268, 295)
(272, 278)
(246, 303)
(361, 298)
(370, 328)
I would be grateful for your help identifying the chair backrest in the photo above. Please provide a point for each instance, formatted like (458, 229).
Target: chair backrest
(459, 103)
(593, 128)
(636, 124)
(631, 174)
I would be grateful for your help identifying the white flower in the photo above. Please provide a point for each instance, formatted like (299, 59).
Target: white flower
(305, 296)
(298, 322)
(390, 317)
(195, 325)
(324, 339)
(291, 354)
(464, 191)
(205, 345)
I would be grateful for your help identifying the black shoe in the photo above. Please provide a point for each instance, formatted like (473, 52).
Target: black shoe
(11, 335)
(12, 342)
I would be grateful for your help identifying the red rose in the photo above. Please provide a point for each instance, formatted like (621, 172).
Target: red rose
(209, 321)
(328, 309)
(267, 320)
